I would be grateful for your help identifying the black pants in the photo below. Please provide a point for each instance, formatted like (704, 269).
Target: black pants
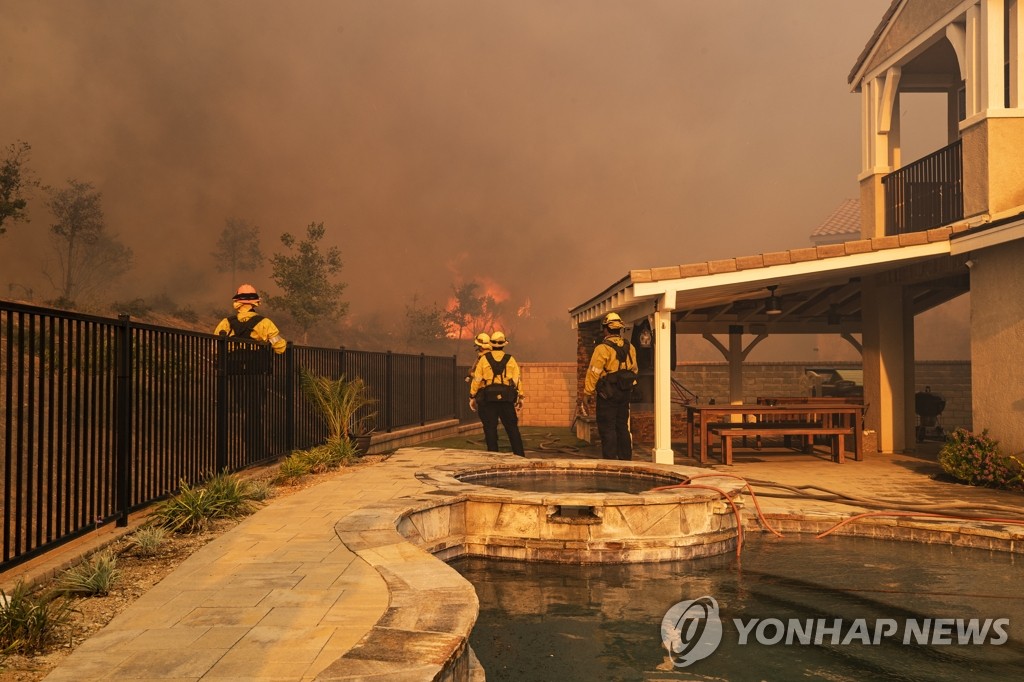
(613, 428)
(490, 413)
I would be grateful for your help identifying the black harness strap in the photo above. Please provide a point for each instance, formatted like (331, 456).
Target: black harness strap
(245, 329)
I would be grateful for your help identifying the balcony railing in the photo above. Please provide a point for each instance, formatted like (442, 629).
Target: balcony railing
(928, 193)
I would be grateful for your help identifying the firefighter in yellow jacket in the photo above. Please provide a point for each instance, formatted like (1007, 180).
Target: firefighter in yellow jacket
(497, 392)
(247, 322)
(611, 376)
(250, 369)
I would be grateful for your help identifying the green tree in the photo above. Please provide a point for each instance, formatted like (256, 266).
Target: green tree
(424, 326)
(15, 183)
(304, 275)
(87, 255)
(238, 247)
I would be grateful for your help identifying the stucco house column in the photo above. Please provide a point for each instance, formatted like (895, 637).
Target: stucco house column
(663, 341)
(888, 364)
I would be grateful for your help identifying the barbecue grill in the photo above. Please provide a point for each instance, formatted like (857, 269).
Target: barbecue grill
(929, 407)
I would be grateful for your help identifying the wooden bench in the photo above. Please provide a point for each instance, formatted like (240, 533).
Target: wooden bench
(837, 436)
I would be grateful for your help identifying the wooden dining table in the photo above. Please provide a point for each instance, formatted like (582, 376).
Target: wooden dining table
(812, 414)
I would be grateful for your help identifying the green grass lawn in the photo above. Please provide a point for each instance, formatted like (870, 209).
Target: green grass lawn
(556, 441)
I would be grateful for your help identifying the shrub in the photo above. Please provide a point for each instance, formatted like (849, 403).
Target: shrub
(28, 623)
(192, 509)
(233, 493)
(293, 467)
(92, 577)
(975, 459)
(148, 540)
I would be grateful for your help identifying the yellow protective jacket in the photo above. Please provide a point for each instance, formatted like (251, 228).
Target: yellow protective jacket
(265, 330)
(604, 361)
(484, 375)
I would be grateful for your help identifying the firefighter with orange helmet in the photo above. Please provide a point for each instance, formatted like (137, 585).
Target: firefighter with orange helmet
(248, 323)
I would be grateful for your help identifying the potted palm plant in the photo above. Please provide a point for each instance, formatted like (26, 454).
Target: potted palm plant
(341, 402)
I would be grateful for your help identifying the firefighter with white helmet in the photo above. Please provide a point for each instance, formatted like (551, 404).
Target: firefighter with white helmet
(611, 377)
(497, 392)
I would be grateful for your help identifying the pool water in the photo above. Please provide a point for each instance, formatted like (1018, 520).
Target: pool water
(570, 481)
(570, 622)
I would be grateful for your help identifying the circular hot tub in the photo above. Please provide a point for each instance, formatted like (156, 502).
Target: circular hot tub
(586, 511)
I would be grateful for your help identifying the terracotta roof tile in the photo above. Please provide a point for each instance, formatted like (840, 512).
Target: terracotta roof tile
(882, 243)
(830, 250)
(693, 270)
(640, 276)
(858, 246)
(727, 265)
(801, 255)
(912, 238)
(777, 258)
(845, 220)
(749, 262)
(670, 272)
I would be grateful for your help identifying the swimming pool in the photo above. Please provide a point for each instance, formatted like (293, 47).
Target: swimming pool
(602, 622)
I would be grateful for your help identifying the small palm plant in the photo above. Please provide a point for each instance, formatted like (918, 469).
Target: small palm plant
(339, 401)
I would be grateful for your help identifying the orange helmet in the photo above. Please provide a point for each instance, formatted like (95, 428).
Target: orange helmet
(247, 294)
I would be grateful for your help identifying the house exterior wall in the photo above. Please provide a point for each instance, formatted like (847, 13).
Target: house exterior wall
(997, 343)
(993, 166)
(550, 389)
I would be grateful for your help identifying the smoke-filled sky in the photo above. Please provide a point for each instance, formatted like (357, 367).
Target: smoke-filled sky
(544, 146)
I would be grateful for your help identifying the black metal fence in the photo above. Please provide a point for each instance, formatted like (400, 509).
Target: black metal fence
(925, 194)
(100, 417)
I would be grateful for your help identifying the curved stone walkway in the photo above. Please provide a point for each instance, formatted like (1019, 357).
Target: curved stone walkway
(281, 597)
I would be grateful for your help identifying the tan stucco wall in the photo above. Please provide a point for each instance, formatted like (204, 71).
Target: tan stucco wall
(913, 19)
(872, 207)
(993, 166)
(997, 343)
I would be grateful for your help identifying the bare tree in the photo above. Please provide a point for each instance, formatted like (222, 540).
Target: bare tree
(15, 183)
(238, 247)
(87, 256)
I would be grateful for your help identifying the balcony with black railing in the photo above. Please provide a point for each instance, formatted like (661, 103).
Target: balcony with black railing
(925, 194)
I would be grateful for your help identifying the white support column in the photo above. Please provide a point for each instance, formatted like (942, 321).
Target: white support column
(992, 87)
(973, 60)
(663, 341)
(1016, 18)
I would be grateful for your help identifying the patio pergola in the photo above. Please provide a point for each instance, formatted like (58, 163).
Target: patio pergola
(870, 287)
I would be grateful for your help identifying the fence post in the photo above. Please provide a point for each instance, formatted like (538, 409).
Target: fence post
(221, 362)
(389, 392)
(423, 389)
(123, 401)
(289, 398)
(455, 387)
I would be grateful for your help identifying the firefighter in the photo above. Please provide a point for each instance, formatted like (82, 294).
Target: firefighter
(497, 392)
(247, 322)
(250, 369)
(482, 344)
(613, 360)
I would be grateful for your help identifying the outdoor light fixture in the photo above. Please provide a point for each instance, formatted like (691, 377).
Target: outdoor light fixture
(771, 306)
